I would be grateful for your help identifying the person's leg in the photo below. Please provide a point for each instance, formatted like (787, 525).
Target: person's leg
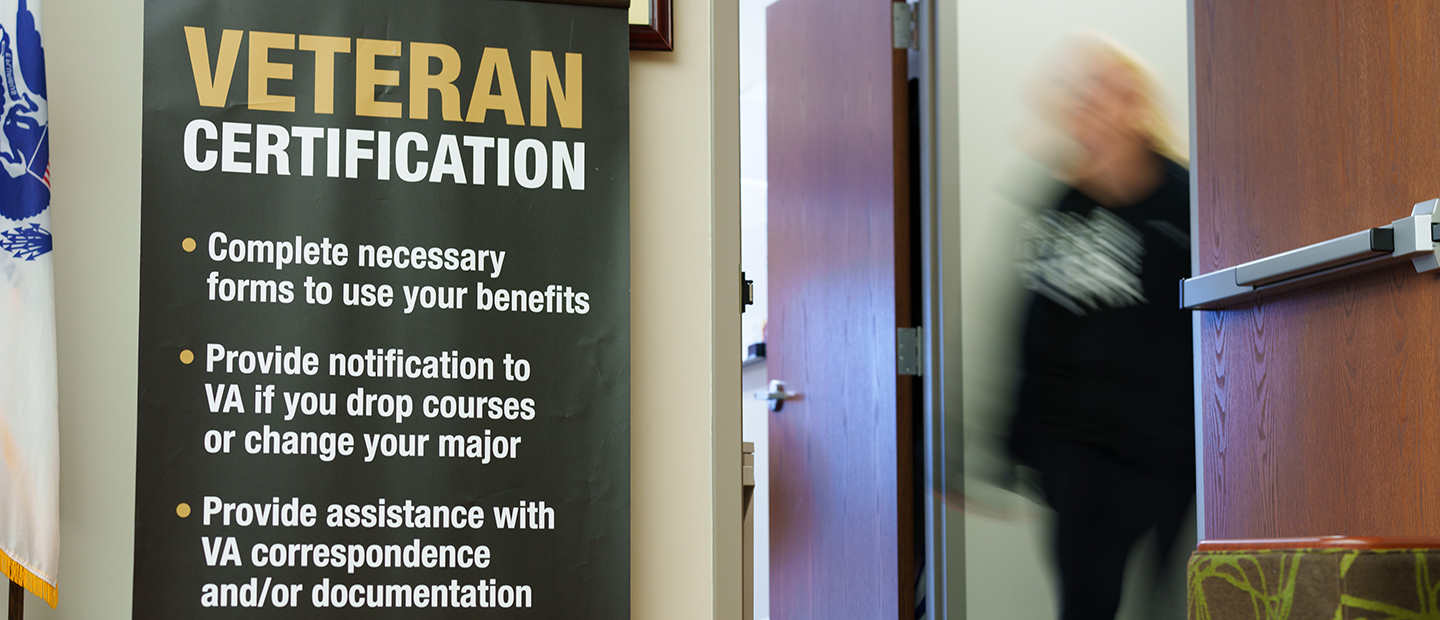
(1072, 483)
(1173, 491)
(1165, 485)
(1098, 517)
(1168, 483)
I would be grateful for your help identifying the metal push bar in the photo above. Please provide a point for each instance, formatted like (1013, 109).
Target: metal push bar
(1412, 238)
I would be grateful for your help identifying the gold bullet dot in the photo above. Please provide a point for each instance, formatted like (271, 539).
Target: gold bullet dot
(183, 510)
(188, 244)
(186, 356)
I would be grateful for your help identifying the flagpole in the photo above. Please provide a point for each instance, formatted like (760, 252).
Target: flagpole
(17, 601)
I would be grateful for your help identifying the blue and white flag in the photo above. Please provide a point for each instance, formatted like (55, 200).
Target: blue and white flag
(29, 420)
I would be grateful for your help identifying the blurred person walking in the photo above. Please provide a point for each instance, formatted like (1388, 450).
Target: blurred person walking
(1105, 408)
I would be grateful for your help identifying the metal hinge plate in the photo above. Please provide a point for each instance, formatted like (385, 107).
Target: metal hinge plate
(906, 35)
(747, 293)
(907, 349)
(747, 463)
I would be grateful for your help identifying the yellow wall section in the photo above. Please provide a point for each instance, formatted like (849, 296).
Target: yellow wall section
(640, 12)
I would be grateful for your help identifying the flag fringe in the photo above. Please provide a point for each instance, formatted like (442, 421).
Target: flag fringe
(30, 581)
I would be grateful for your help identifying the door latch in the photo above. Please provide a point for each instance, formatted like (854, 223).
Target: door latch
(777, 395)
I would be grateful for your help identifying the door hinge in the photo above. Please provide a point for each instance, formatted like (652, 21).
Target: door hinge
(747, 463)
(747, 293)
(908, 350)
(906, 34)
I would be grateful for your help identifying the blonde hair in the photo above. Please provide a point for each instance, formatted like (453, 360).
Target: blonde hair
(1084, 51)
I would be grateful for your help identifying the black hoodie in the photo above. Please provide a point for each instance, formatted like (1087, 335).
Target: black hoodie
(1107, 349)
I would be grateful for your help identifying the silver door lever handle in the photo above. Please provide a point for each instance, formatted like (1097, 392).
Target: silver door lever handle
(777, 395)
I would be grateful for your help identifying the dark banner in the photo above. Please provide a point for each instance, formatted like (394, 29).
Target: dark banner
(384, 311)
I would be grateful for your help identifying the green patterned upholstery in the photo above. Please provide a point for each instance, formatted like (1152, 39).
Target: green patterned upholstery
(1315, 583)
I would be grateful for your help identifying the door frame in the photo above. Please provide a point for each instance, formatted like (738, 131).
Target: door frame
(937, 55)
(936, 64)
(1196, 317)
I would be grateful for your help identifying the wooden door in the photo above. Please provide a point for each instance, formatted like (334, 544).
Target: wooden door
(839, 252)
(1321, 408)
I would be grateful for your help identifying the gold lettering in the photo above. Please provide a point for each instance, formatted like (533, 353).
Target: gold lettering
(422, 81)
(262, 71)
(212, 91)
(325, 49)
(545, 78)
(367, 77)
(495, 61)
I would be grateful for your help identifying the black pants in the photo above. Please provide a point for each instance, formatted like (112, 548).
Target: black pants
(1103, 505)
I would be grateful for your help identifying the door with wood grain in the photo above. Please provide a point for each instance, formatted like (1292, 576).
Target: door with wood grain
(841, 517)
(1320, 408)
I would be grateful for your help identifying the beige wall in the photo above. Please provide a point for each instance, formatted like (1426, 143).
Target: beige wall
(685, 251)
(685, 260)
(93, 54)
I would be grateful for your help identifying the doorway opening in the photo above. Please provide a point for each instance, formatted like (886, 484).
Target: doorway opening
(847, 455)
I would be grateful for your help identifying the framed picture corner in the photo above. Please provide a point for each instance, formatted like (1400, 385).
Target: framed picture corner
(651, 25)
